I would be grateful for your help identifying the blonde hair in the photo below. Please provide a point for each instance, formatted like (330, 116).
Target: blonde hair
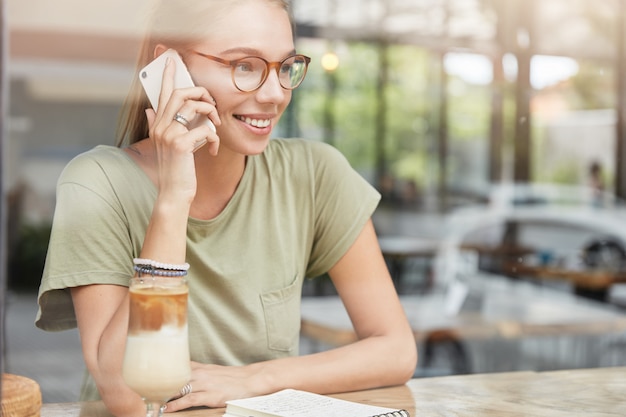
(177, 24)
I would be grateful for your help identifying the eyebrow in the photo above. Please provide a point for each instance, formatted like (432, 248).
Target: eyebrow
(251, 51)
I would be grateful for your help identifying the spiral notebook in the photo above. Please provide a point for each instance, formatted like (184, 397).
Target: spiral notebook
(296, 403)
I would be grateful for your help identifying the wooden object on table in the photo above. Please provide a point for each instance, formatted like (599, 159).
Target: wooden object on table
(590, 283)
(21, 396)
(503, 250)
(497, 258)
(594, 283)
(584, 278)
(595, 392)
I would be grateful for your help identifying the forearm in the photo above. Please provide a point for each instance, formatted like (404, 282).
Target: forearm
(371, 362)
(118, 397)
(166, 235)
(103, 341)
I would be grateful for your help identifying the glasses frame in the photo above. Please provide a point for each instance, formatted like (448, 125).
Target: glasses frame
(268, 67)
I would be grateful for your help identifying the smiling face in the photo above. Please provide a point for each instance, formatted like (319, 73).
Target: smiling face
(250, 28)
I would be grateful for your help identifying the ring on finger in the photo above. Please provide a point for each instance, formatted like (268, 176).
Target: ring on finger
(181, 119)
(186, 390)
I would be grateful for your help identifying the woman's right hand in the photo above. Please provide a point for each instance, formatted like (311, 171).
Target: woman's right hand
(175, 143)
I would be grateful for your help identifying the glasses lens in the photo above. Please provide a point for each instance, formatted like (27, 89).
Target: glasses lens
(292, 71)
(249, 73)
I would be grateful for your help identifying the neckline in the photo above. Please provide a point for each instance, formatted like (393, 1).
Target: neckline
(245, 178)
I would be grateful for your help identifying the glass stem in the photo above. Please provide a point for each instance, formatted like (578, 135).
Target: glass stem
(154, 409)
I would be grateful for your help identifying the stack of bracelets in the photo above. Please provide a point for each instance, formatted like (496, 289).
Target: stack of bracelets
(159, 269)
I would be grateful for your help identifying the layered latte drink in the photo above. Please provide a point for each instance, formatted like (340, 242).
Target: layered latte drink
(156, 362)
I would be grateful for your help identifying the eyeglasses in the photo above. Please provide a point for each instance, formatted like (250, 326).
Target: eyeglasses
(250, 73)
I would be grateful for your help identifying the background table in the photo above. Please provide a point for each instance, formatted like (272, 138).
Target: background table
(508, 259)
(591, 283)
(511, 310)
(587, 392)
(507, 310)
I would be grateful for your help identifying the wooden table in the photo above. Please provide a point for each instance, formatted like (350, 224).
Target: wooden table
(507, 260)
(599, 392)
(592, 283)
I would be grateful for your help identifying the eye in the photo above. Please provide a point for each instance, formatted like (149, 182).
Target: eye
(244, 66)
(286, 68)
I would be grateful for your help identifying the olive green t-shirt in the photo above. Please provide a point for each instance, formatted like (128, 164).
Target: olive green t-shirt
(297, 210)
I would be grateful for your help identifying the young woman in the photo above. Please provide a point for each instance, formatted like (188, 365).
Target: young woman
(253, 218)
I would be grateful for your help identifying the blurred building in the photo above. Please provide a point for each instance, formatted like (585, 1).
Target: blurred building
(72, 61)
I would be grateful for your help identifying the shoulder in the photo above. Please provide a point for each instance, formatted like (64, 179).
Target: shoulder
(299, 145)
(92, 163)
(303, 151)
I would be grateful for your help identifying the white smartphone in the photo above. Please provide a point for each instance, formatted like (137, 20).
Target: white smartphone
(151, 77)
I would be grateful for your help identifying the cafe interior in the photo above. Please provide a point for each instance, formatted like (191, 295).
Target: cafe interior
(495, 132)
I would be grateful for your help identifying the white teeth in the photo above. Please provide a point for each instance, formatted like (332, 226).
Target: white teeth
(256, 122)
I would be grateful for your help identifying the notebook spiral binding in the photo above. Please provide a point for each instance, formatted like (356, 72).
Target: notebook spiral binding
(399, 413)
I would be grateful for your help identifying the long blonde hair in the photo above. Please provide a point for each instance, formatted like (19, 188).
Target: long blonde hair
(176, 23)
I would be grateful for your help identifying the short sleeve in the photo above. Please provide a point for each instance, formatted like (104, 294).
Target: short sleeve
(89, 242)
(344, 201)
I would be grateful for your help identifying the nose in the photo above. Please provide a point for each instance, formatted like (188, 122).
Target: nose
(271, 91)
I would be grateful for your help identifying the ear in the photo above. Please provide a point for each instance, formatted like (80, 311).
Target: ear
(159, 49)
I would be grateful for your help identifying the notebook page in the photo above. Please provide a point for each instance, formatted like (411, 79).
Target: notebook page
(295, 403)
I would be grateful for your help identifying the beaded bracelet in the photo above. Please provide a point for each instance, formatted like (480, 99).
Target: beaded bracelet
(144, 269)
(160, 265)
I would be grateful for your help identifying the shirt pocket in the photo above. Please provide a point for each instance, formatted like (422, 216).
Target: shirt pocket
(282, 317)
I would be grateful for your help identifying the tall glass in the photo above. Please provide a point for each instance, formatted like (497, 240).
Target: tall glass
(156, 361)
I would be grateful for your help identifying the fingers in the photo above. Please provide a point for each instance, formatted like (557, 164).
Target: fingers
(151, 116)
(187, 398)
(185, 102)
(189, 102)
(181, 119)
(180, 403)
(210, 386)
(167, 83)
(186, 109)
(199, 144)
(184, 140)
(195, 399)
